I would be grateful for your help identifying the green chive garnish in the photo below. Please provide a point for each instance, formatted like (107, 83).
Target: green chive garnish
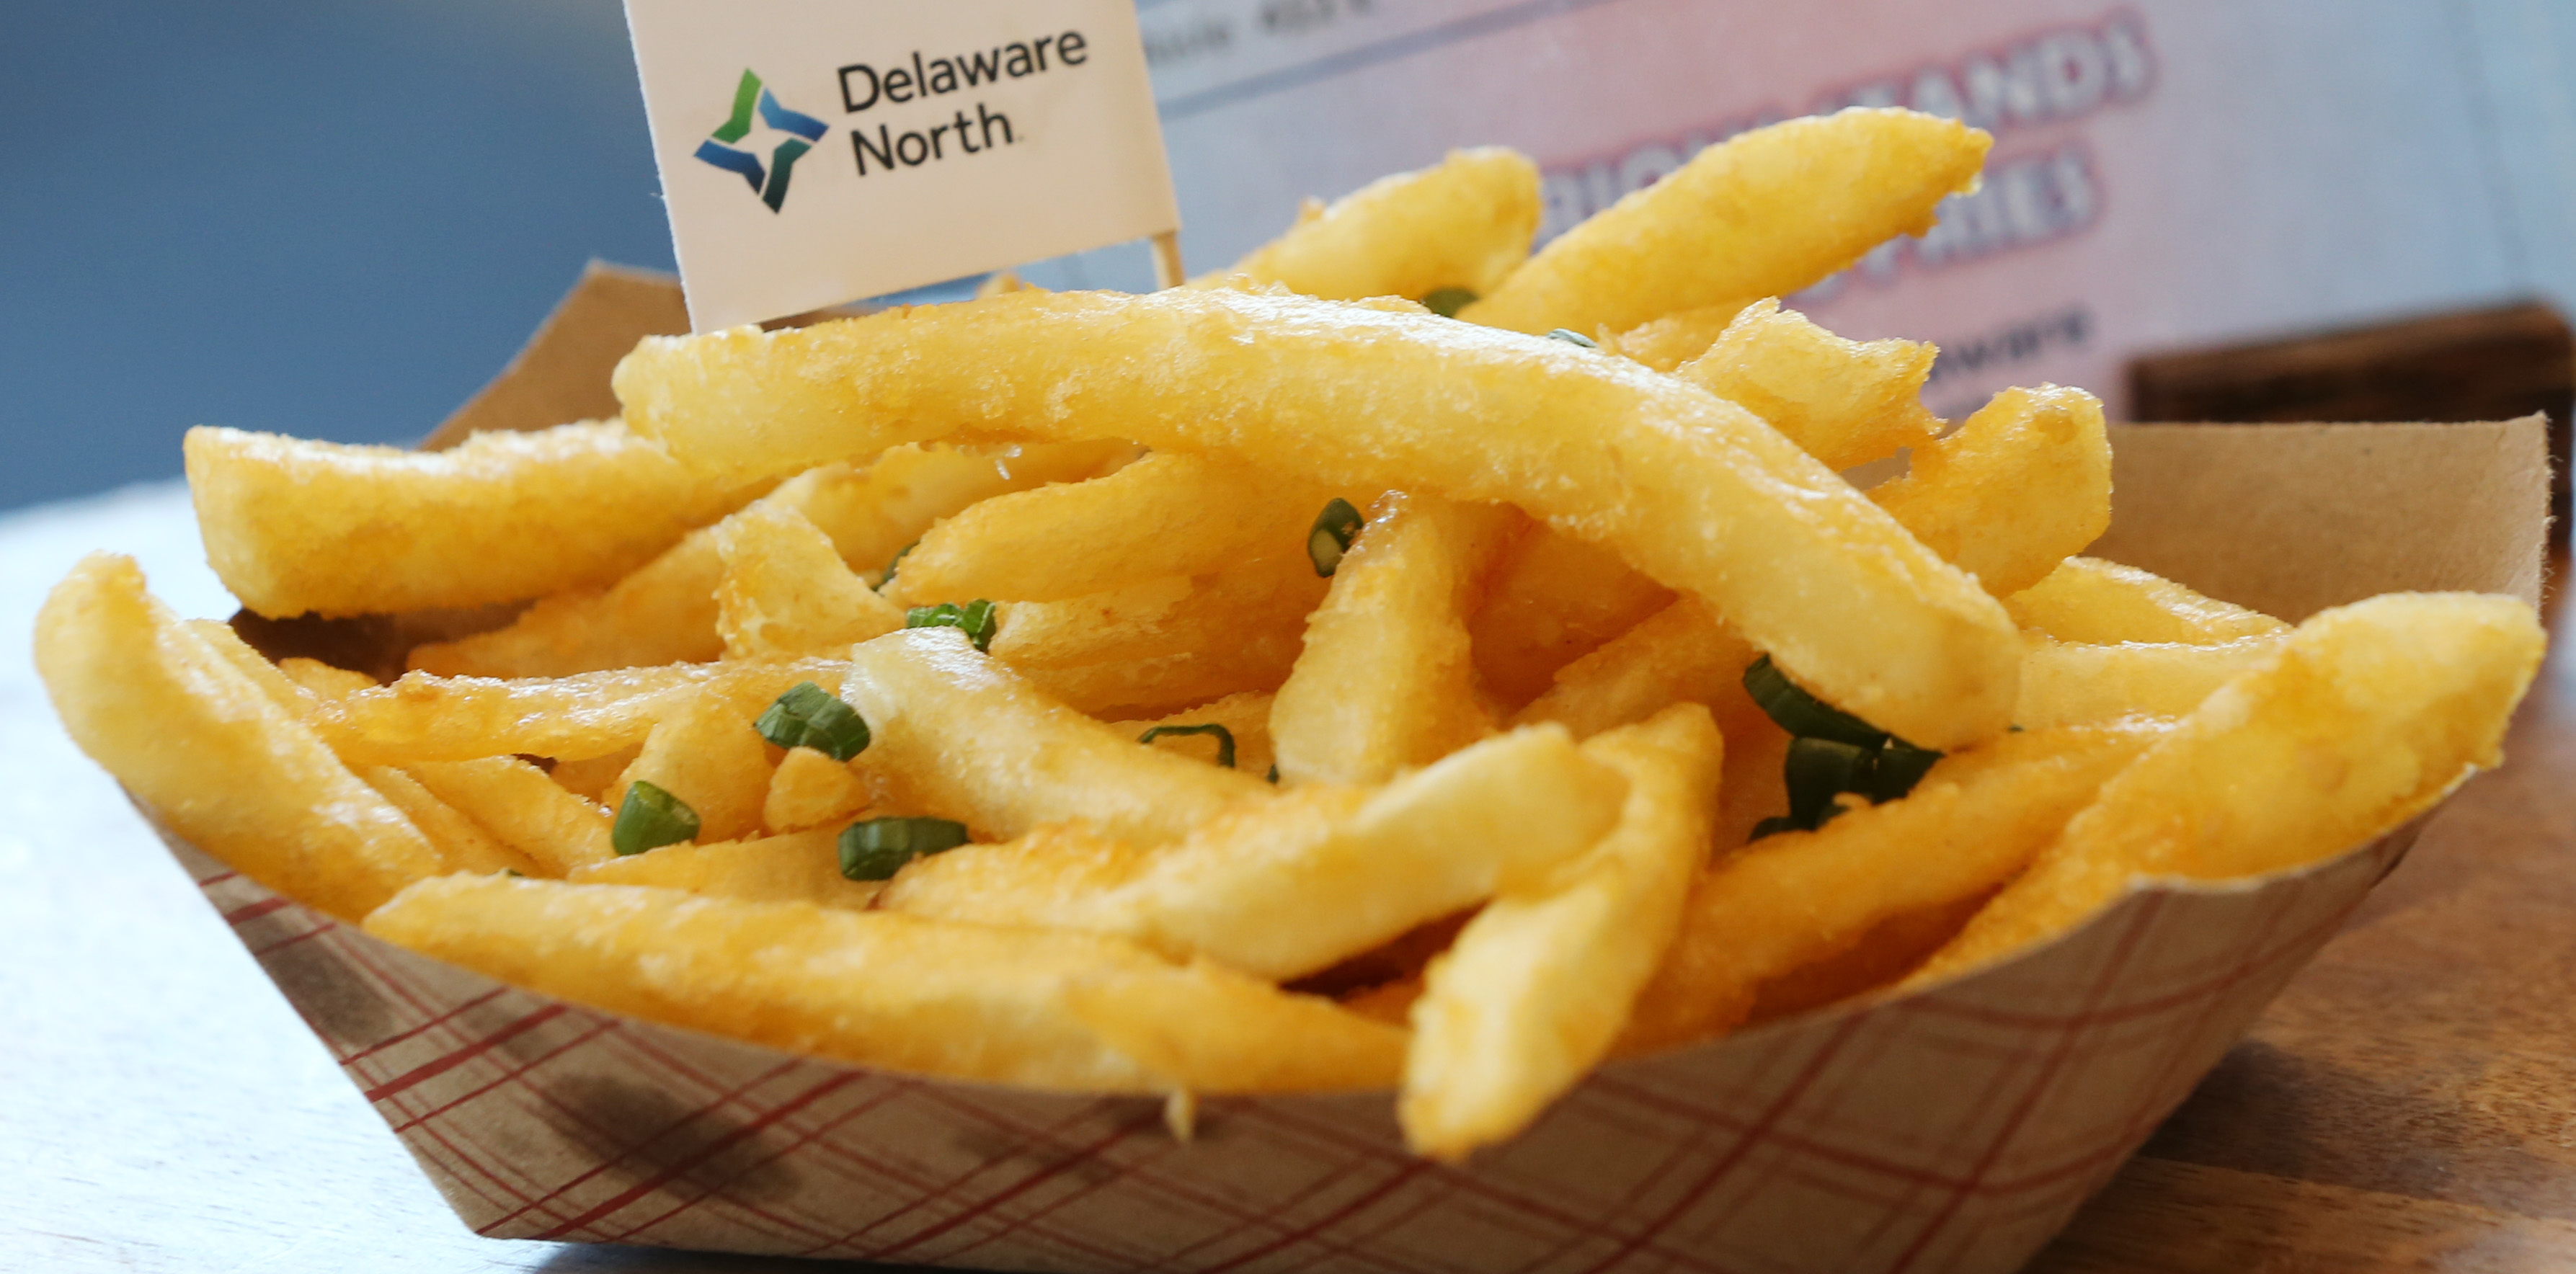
(650, 818)
(1224, 739)
(895, 562)
(1901, 765)
(1446, 302)
(1803, 714)
(1572, 337)
(809, 717)
(1334, 530)
(1273, 776)
(1818, 770)
(879, 847)
(977, 618)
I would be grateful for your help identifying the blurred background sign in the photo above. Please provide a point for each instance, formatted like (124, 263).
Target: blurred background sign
(338, 219)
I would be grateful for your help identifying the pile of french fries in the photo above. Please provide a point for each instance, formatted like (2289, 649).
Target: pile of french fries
(1274, 683)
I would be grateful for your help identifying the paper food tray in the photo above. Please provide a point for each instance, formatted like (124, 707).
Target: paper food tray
(1951, 1130)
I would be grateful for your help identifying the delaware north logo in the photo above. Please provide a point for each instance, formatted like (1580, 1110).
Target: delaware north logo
(770, 182)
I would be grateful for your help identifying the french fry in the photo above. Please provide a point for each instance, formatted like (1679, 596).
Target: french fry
(523, 809)
(1537, 986)
(666, 612)
(1385, 682)
(2067, 683)
(321, 680)
(1166, 515)
(797, 867)
(1680, 654)
(1668, 342)
(214, 757)
(293, 526)
(786, 593)
(1553, 599)
(1244, 717)
(1846, 402)
(704, 752)
(875, 988)
(424, 718)
(461, 843)
(590, 777)
(1360, 397)
(1764, 213)
(1797, 898)
(1465, 222)
(2023, 485)
(1284, 888)
(2368, 714)
(810, 789)
(2089, 600)
(1206, 1028)
(220, 640)
(1265, 599)
(958, 733)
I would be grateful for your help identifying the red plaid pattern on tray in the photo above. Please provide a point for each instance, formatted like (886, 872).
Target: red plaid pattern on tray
(1954, 1130)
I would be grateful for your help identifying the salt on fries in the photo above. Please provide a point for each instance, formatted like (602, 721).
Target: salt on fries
(1257, 686)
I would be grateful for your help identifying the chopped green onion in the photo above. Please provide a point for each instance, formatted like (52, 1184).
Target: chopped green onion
(809, 717)
(513, 871)
(650, 818)
(1224, 738)
(1273, 776)
(977, 618)
(879, 847)
(1804, 715)
(1901, 765)
(1334, 530)
(896, 562)
(1818, 770)
(1572, 337)
(1774, 825)
(1446, 302)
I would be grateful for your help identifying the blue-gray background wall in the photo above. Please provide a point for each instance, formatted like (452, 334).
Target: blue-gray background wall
(337, 218)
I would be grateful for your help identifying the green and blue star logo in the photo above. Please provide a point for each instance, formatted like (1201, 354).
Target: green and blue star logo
(770, 181)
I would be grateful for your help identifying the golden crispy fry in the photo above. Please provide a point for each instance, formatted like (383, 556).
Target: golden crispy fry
(522, 809)
(666, 612)
(2370, 713)
(1539, 983)
(797, 867)
(2089, 600)
(590, 777)
(1360, 397)
(1245, 716)
(958, 734)
(215, 758)
(1680, 654)
(704, 751)
(1797, 898)
(294, 526)
(1385, 682)
(787, 593)
(2065, 683)
(461, 843)
(1286, 887)
(1062, 870)
(810, 789)
(1464, 222)
(876, 988)
(1165, 515)
(321, 680)
(1209, 1029)
(421, 717)
(220, 640)
(1763, 214)
(1675, 339)
(1265, 599)
(2022, 486)
(1846, 402)
(1553, 599)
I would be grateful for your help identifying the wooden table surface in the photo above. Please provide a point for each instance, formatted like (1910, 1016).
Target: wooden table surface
(2408, 1104)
